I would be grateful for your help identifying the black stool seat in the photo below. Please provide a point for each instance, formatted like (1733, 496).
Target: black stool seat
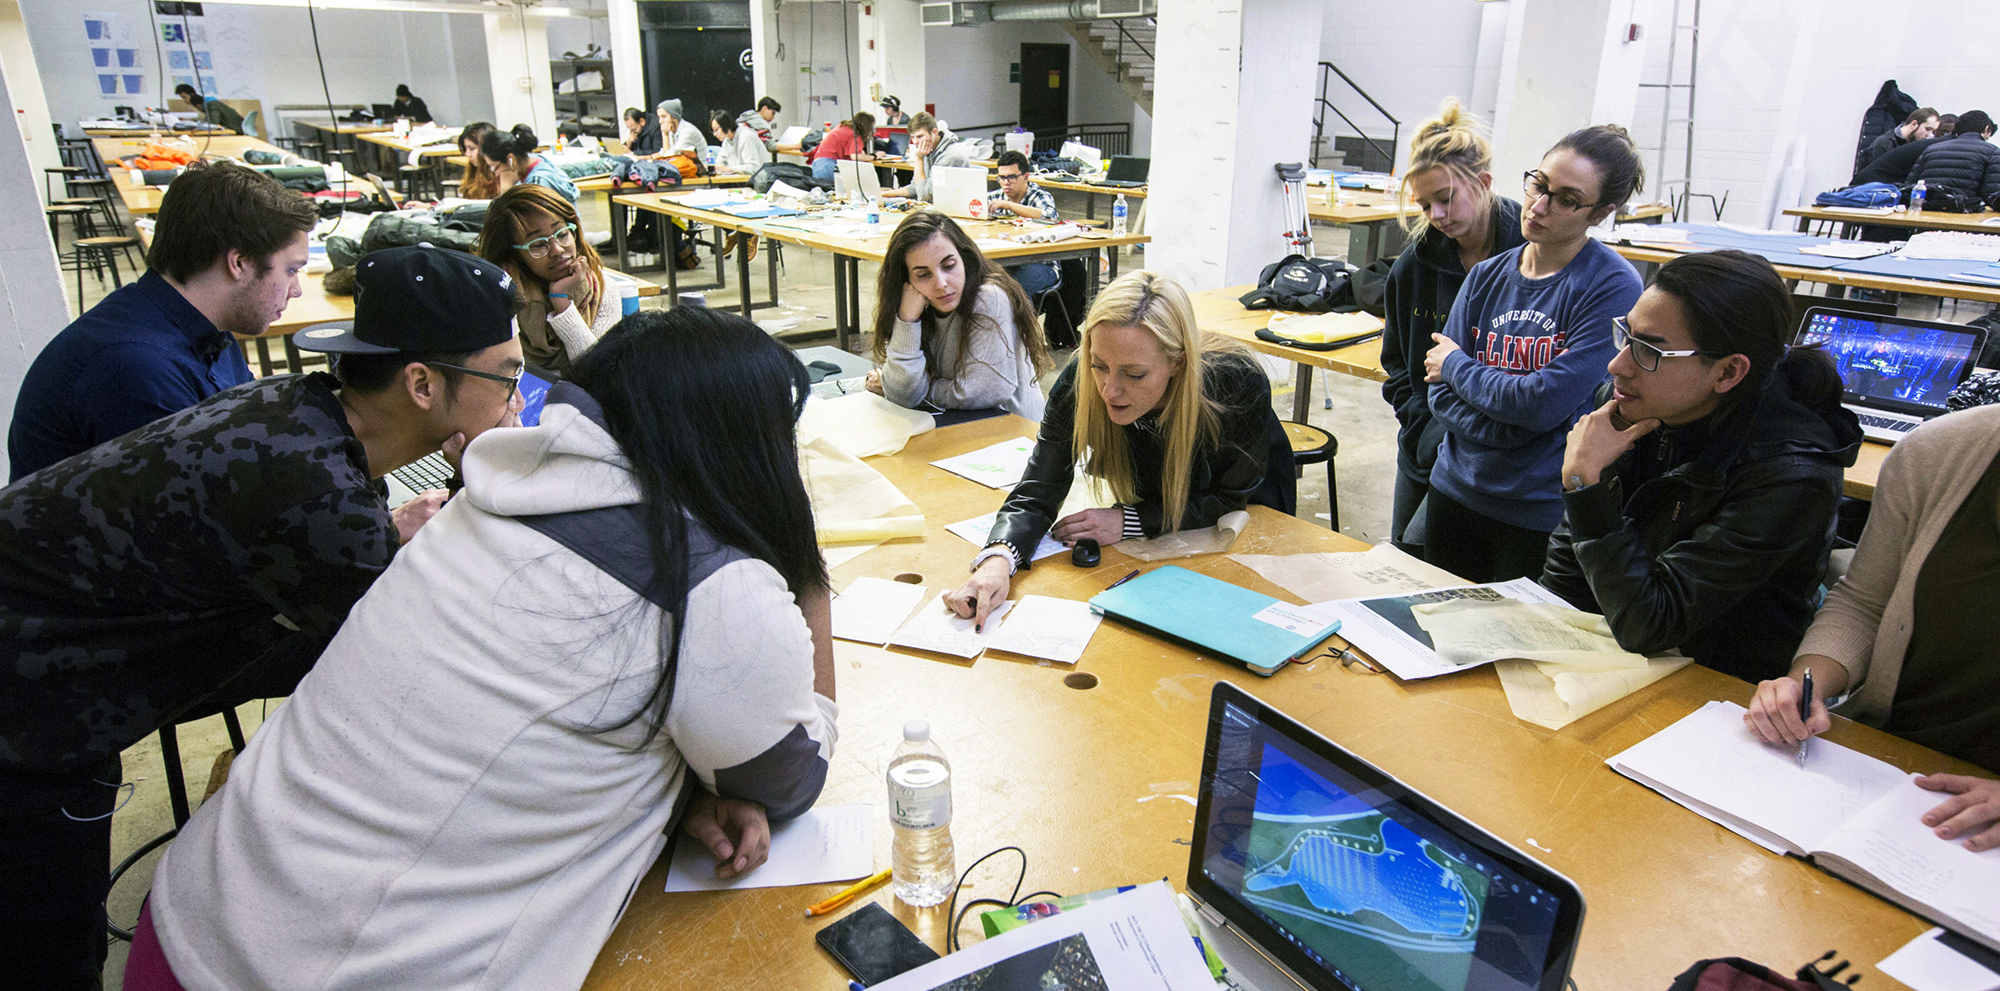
(1310, 446)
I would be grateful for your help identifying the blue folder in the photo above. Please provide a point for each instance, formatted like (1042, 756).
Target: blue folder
(1208, 615)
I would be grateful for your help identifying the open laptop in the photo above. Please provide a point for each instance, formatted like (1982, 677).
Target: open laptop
(856, 180)
(384, 111)
(432, 471)
(1895, 372)
(1126, 172)
(1313, 869)
(953, 188)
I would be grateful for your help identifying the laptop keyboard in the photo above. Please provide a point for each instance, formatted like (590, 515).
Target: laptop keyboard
(430, 472)
(1886, 423)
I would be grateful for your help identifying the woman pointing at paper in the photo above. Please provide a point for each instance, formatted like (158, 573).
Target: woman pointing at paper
(1176, 424)
(1910, 635)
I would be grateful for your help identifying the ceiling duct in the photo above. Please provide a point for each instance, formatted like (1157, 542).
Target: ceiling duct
(956, 14)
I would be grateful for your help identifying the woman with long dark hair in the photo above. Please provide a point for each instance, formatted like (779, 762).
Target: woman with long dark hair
(479, 182)
(1699, 496)
(618, 626)
(511, 157)
(534, 234)
(953, 329)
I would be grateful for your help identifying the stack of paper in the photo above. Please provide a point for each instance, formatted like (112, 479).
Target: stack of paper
(854, 507)
(862, 424)
(878, 611)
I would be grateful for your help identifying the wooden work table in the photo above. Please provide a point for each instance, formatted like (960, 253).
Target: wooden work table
(1090, 771)
(1659, 255)
(142, 200)
(1983, 222)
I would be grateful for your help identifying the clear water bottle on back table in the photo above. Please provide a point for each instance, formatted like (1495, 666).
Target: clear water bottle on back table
(1118, 209)
(920, 812)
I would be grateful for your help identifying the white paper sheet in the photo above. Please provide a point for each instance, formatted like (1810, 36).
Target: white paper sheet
(1928, 965)
(1889, 840)
(862, 423)
(827, 843)
(996, 466)
(1135, 941)
(1470, 631)
(937, 629)
(977, 529)
(1379, 570)
(1047, 627)
(1709, 762)
(854, 507)
(871, 609)
(1384, 628)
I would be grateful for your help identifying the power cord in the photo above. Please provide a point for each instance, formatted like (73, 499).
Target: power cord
(187, 37)
(957, 916)
(328, 90)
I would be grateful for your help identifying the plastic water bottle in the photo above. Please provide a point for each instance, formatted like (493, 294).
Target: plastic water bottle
(1118, 209)
(1917, 197)
(920, 812)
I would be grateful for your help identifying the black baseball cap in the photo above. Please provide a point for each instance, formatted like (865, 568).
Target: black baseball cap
(892, 103)
(421, 299)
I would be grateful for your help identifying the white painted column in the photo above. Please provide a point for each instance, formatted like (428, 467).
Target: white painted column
(1571, 67)
(763, 21)
(1228, 80)
(892, 42)
(517, 59)
(628, 60)
(32, 304)
(24, 84)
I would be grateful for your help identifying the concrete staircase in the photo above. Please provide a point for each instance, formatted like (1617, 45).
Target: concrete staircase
(1126, 57)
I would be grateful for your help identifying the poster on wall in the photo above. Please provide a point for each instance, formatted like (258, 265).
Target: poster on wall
(116, 56)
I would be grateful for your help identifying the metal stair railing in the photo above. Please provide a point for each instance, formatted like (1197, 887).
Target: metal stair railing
(1321, 104)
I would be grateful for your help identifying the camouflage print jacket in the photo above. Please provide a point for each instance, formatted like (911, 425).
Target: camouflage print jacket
(205, 558)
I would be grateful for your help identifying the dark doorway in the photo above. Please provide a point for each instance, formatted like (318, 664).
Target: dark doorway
(704, 68)
(1045, 92)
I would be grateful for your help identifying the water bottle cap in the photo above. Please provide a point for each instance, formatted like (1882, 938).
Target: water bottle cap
(916, 731)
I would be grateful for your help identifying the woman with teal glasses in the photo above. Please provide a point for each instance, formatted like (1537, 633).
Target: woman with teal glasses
(533, 232)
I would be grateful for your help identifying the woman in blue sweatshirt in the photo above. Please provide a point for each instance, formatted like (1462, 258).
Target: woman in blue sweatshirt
(1462, 223)
(1525, 347)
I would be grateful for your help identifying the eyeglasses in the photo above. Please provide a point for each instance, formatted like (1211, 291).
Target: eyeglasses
(564, 237)
(1535, 183)
(1646, 355)
(513, 381)
(1011, 176)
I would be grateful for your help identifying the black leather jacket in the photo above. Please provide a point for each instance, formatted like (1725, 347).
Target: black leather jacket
(1252, 462)
(1721, 545)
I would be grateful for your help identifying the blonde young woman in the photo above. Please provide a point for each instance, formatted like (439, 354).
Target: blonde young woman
(1176, 424)
(533, 232)
(1460, 224)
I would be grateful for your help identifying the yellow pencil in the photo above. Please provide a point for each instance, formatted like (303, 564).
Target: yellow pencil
(848, 894)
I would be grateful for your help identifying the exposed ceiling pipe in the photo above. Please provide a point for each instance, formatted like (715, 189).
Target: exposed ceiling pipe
(1055, 10)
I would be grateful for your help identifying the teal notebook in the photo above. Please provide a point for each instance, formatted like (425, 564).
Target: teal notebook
(1216, 618)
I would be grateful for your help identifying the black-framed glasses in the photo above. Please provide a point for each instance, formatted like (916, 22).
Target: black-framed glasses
(564, 237)
(1646, 355)
(1535, 185)
(513, 381)
(1006, 177)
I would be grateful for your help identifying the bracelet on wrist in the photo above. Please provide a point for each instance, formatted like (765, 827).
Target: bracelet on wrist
(559, 295)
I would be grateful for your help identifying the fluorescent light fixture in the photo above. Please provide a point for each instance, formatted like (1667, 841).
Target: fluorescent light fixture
(422, 6)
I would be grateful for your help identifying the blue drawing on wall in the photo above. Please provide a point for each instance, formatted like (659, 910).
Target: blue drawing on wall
(101, 57)
(171, 34)
(107, 85)
(97, 30)
(135, 84)
(128, 58)
(177, 59)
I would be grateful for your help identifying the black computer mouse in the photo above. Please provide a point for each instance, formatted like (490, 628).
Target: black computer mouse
(1085, 554)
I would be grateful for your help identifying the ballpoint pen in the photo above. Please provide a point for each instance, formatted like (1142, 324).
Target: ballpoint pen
(1805, 711)
(1121, 581)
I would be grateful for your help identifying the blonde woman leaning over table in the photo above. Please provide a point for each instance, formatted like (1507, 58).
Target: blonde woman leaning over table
(1910, 634)
(534, 233)
(1177, 424)
(953, 329)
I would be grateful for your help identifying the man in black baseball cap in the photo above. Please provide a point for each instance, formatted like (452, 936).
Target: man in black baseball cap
(223, 548)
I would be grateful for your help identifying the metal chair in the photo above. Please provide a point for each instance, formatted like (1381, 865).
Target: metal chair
(170, 755)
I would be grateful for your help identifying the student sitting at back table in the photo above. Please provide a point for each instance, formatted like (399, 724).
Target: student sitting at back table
(642, 133)
(533, 233)
(931, 147)
(1967, 164)
(1909, 635)
(677, 136)
(849, 141)
(410, 105)
(741, 152)
(1177, 424)
(1699, 497)
(211, 110)
(1893, 167)
(1460, 224)
(497, 746)
(481, 180)
(225, 545)
(759, 122)
(1018, 196)
(225, 259)
(1525, 347)
(510, 155)
(953, 329)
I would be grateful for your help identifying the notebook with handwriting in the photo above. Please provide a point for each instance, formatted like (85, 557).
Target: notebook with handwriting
(1852, 815)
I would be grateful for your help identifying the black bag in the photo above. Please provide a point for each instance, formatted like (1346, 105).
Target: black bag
(1371, 286)
(1304, 285)
(790, 173)
(1947, 200)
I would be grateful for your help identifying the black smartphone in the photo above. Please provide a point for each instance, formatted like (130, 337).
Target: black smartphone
(873, 946)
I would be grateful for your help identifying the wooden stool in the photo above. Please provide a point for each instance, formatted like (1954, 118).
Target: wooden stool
(1311, 445)
(79, 215)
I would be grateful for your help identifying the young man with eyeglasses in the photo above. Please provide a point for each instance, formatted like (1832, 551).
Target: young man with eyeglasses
(205, 560)
(1699, 494)
(1019, 196)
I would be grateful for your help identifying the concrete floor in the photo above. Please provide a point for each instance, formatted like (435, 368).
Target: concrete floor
(1351, 408)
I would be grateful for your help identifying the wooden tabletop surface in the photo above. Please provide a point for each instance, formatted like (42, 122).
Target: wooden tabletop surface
(142, 200)
(1983, 222)
(1089, 780)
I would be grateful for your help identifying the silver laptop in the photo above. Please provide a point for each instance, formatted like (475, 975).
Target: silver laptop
(953, 188)
(856, 180)
(1895, 372)
(1313, 869)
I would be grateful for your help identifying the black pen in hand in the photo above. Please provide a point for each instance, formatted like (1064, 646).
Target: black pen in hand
(1805, 711)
